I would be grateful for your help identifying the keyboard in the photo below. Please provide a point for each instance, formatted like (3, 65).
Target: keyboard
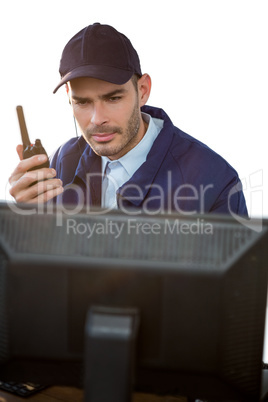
(21, 389)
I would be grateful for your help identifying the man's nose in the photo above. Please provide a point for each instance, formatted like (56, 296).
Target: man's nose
(99, 115)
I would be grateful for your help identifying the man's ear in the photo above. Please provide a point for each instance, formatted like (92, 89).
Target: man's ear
(144, 88)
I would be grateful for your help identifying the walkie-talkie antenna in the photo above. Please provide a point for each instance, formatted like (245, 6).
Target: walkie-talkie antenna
(23, 129)
(29, 149)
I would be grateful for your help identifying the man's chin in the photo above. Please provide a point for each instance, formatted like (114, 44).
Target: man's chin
(106, 150)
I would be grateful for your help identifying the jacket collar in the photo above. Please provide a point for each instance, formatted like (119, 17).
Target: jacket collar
(145, 175)
(88, 172)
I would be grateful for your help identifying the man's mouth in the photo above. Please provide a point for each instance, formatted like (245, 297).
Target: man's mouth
(103, 137)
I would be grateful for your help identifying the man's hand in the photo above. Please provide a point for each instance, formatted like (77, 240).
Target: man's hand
(33, 187)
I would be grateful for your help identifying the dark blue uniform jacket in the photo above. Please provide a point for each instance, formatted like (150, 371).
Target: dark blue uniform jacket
(180, 174)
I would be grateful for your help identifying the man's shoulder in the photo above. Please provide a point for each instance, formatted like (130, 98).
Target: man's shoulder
(184, 149)
(184, 146)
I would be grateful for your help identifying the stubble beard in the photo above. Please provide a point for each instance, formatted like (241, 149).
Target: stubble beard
(128, 138)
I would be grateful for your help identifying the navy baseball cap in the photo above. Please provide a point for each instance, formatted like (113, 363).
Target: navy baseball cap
(99, 51)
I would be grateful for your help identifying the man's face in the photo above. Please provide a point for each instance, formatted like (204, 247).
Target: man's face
(108, 115)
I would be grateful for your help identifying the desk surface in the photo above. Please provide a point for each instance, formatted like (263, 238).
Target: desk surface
(69, 394)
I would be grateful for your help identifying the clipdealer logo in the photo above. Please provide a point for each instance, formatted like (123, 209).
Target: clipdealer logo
(252, 188)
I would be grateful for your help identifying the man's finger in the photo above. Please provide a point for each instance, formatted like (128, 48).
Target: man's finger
(22, 192)
(25, 165)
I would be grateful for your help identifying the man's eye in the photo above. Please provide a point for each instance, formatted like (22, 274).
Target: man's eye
(80, 102)
(114, 98)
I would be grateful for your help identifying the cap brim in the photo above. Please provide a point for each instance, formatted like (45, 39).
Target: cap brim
(105, 73)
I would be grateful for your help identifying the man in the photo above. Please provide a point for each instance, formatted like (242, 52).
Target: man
(129, 155)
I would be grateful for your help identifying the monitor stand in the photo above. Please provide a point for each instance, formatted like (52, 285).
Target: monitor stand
(110, 346)
(110, 340)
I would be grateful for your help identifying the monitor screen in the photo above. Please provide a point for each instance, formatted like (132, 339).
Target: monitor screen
(186, 295)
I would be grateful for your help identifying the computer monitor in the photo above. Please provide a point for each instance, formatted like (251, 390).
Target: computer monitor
(158, 303)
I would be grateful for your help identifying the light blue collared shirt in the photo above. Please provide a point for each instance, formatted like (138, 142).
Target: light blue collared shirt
(128, 164)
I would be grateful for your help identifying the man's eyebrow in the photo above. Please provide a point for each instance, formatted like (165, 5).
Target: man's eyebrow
(80, 98)
(116, 92)
(119, 91)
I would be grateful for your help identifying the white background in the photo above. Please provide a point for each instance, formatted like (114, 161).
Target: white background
(208, 61)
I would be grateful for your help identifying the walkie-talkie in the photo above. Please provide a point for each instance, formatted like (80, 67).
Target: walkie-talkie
(28, 148)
